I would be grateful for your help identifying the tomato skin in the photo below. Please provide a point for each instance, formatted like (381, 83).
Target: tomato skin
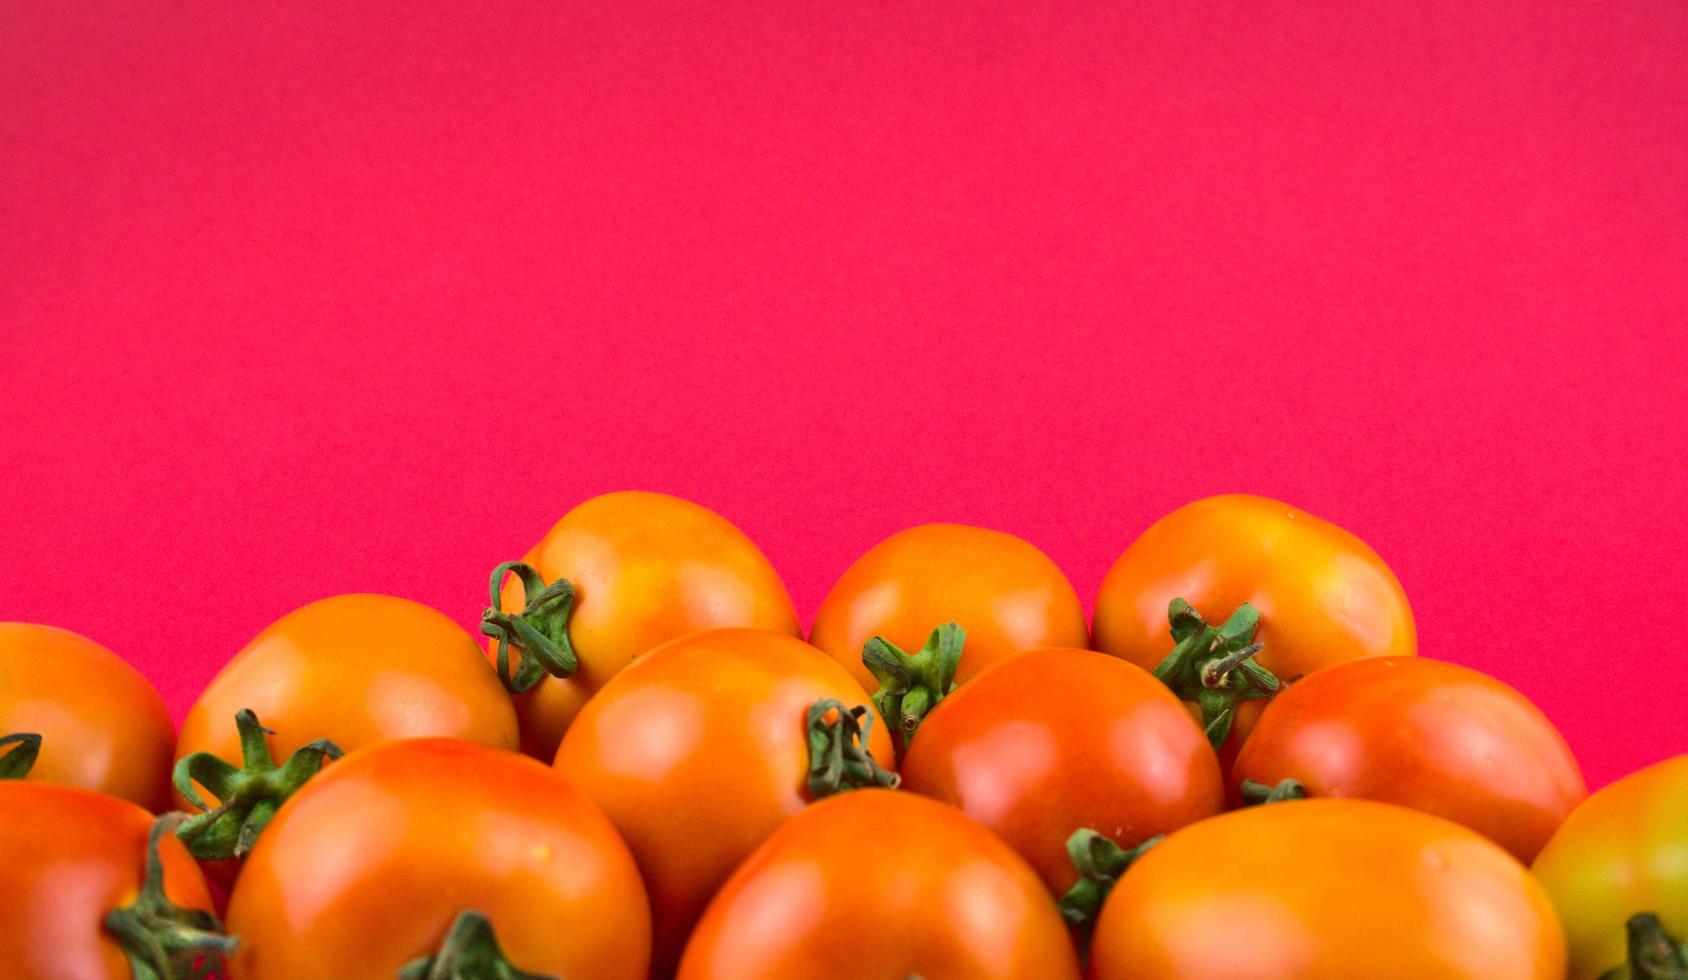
(365, 867)
(1618, 854)
(1423, 734)
(1043, 743)
(697, 752)
(67, 857)
(1004, 592)
(358, 669)
(1327, 890)
(877, 883)
(104, 727)
(647, 568)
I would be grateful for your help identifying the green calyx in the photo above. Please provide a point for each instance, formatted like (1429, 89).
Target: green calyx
(838, 755)
(1214, 666)
(1257, 794)
(17, 763)
(247, 797)
(1653, 953)
(162, 940)
(470, 951)
(1100, 863)
(910, 686)
(540, 632)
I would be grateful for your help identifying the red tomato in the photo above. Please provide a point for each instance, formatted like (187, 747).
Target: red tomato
(1423, 734)
(1327, 890)
(872, 885)
(367, 868)
(697, 751)
(68, 859)
(102, 725)
(1051, 741)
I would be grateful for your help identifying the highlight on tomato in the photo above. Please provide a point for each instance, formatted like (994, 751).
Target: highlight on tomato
(419, 854)
(874, 884)
(618, 575)
(102, 726)
(1327, 888)
(1423, 734)
(1316, 595)
(1617, 870)
(92, 886)
(1049, 742)
(341, 673)
(698, 750)
(1001, 591)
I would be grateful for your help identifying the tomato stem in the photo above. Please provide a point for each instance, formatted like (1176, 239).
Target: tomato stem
(470, 951)
(247, 797)
(1215, 666)
(1258, 794)
(1653, 953)
(1100, 863)
(17, 763)
(540, 632)
(838, 755)
(910, 686)
(162, 940)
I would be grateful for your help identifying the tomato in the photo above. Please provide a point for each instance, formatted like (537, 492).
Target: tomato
(367, 867)
(1322, 595)
(1005, 593)
(1423, 734)
(1622, 853)
(876, 884)
(1327, 890)
(1051, 741)
(698, 750)
(645, 568)
(77, 898)
(102, 725)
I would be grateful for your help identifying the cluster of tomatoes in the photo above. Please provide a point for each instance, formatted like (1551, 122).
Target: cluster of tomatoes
(1244, 771)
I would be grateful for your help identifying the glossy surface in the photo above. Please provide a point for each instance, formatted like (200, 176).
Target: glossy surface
(876, 884)
(1324, 596)
(1327, 890)
(1625, 850)
(365, 868)
(67, 857)
(1046, 742)
(358, 669)
(1006, 593)
(103, 726)
(1423, 734)
(697, 752)
(647, 568)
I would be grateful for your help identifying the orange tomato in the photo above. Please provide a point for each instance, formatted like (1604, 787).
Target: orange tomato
(697, 751)
(1007, 595)
(1323, 596)
(646, 568)
(1327, 890)
(355, 669)
(69, 858)
(365, 870)
(1423, 734)
(1048, 742)
(102, 725)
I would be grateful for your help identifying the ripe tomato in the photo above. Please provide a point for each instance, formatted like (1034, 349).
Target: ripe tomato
(875, 884)
(697, 751)
(645, 568)
(78, 899)
(1007, 595)
(1323, 596)
(1327, 890)
(102, 725)
(365, 870)
(1051, 741)
(1622, 853)
(1423, 734)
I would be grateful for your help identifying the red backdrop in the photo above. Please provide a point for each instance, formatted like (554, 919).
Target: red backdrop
(308, 298)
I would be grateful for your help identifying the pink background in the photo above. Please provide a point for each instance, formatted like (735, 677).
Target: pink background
(300, 299)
